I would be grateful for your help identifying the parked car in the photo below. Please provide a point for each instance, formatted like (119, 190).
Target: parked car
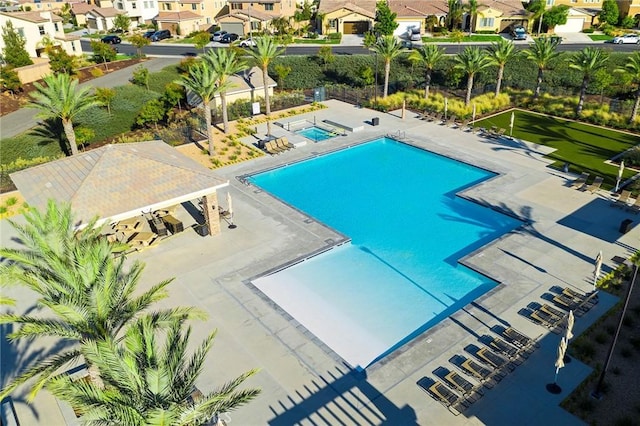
(111, 39)
(518, 32)
(149, 33)
(218, 35)
(161, 35)
(250, 42)
(627, 38)
(229, 38)
(406, 44)
(414, 34)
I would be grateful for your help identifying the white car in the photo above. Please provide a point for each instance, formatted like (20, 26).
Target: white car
(627, 38)
(250, 42)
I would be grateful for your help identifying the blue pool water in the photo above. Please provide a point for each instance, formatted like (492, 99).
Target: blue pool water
(316, 133)
(399, 275)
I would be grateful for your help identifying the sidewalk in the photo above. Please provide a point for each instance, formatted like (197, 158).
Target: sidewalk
(25, 118)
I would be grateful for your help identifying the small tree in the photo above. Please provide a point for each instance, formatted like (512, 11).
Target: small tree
(325, 53)
(472, 9)
(430, 22)
(14, 52)
(61, 61)
(609, 12)
(105, 96)
(122, 22)
(367, 75)
(141, 77)
(151, 113)
(369, 39)
(557, 15)
(454, 14)
(173, 94)
(385, 20)
(9, 80)
(282, 71)
(83, 135)
(103, 53)
(139, 41)
(201, 39)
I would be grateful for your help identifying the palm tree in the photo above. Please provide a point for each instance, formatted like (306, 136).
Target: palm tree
(149, 383)
(632, 69)
(225, 64)
(471, 60)
(500, 53)
(62, 99)
(202, 80)
(588, 61)
(472, 9)
(428, 55)
(91, 296)
(265, 51)
(542, 52)
(388, 47)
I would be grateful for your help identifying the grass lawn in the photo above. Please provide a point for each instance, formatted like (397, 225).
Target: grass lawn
(600, 37)
(315, 41)
(584, 147)
(474, 37)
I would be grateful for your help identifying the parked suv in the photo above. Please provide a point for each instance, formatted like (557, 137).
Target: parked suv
(414, 34)
(518, 32)
(111, 39)
(218, 35)
(149, 33)
(161, 35)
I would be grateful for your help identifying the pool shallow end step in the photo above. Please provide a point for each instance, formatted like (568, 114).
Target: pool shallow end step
(346, 126)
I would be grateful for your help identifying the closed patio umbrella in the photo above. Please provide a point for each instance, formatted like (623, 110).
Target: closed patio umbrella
(598, 268)
(562, 348)
(473, 115)
(570, 322)
(446, 107)
(229, 204)
(620, 171)
(513, 117)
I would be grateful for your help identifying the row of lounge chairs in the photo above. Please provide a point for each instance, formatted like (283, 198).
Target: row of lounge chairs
(451, 121)
(567, 300)
(278, 145)
(580, 183)
(492, 363)
(623, 202)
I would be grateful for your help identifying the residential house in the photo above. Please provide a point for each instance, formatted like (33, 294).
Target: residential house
(79, 11)
(41, 5)
(140, 11)
(243, 16)
(629, 8)
(498, 16)
(412, 14)
(182, 17)
(34, 26)
(582, 14)
(101, 18)
(356, 17)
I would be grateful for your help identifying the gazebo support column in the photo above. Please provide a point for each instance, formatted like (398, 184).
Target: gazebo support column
(212, 213)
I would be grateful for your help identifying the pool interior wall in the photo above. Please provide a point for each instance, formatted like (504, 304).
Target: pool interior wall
(400, 274)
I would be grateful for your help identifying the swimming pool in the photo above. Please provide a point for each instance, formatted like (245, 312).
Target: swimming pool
(400, 274)
(316, 133)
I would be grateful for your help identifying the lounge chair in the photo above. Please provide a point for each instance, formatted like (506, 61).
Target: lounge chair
(280, 144)
(580, 180)
(635, 207)
(464, 124)
(425, 115)
(472, 368)
(516, 338)
(441, 393)
(272, 149)
(492, 358)
(286, 142)
(543, 318)
(462, 385)
(595, 185)
(451, 121)
(591, 298)
(553, 311)
(570, 304)
(502, 347)
(623, 199)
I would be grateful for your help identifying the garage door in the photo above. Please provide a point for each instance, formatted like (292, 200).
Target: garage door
(358, 27)
(404, 27)
(233, 27)
(573, 25)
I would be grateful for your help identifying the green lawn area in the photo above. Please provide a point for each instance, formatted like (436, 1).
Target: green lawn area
(474, 37)
(600, 37)
(584, 147)
(315, 41)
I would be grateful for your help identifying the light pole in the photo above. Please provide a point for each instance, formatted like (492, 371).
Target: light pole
(596, 393)
(375, 90)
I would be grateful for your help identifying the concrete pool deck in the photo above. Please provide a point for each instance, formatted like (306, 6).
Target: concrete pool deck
(305, 383)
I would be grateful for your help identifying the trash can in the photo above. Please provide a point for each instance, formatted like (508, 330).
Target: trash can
(625, 226)
(375, 121)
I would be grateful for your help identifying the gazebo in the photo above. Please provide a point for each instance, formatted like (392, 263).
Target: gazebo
(117, 182)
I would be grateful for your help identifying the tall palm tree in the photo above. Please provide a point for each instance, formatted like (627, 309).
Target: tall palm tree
(472, 9)
(588, 61)
(61, 98)
(428, 55)
(500, 53)
(471, 60)
(632, 69)
(542, 52)
(388, 47)
(149, 383)
(201, 80)
(88, 295)
(225, 64)
(266, 50)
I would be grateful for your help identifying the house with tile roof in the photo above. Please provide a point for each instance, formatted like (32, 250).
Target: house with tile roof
(413, 14)
(101, 18)
(630, 8)
(353, 17)
(498, 16)
(182, 17)
(243, 16)
(41, 5)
